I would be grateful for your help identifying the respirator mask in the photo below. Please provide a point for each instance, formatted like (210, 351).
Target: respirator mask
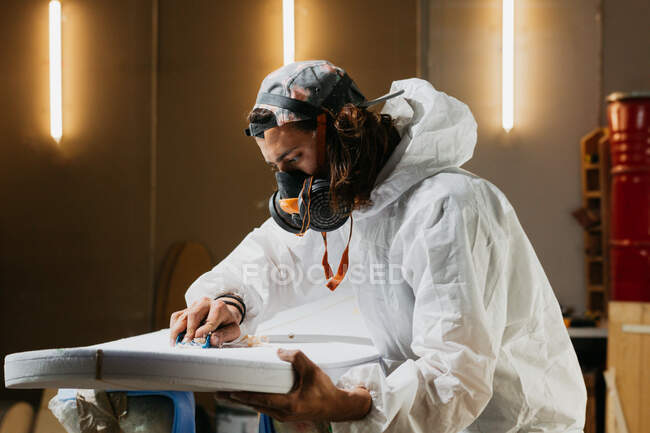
(302, 202)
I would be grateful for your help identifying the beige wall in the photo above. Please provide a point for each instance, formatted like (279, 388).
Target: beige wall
(626, 46)
(558, 92)
(73, 226)
(210, 178)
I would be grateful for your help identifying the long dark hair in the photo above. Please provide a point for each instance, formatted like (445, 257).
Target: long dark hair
(359, 142)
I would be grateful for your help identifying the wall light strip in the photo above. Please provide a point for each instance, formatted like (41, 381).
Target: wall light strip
(56, 116)
(508, 58)
(288, 31)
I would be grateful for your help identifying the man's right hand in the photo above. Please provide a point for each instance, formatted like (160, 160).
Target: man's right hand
(206, 315)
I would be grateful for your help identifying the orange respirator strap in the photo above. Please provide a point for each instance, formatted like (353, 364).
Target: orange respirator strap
(334, 281)
(326, 264)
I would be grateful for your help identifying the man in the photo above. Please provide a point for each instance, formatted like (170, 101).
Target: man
(470, 332)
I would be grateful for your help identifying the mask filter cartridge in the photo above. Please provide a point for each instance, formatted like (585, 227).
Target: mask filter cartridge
(303, 203)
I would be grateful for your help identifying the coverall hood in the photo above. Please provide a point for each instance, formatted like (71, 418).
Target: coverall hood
(438, 132)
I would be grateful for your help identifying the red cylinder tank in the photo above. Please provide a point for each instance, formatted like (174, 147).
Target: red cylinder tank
(629, 136)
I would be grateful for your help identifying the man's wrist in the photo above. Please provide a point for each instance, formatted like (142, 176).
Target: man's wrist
(354, 404)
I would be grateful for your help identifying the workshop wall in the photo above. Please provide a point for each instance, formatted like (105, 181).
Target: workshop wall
(626, 47)
(75, 215)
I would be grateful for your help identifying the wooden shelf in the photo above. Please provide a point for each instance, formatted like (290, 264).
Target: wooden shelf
(595, 200)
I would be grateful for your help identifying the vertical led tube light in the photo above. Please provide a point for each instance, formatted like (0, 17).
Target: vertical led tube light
(56, 116)
(288, 31)
(508, 66)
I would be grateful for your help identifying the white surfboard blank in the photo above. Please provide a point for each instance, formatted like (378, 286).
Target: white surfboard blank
(147, 362)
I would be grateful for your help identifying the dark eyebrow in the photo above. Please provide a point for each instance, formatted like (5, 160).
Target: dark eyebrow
(281, 157)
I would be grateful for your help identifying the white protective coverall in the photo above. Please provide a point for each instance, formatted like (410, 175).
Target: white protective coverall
(448, 284)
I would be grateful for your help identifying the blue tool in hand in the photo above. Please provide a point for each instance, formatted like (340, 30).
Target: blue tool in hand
(194, 342)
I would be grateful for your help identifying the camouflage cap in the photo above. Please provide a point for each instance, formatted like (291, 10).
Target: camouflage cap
(302, 90)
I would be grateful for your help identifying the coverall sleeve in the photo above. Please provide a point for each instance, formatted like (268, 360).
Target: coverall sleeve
(271, 270)
(445, 261)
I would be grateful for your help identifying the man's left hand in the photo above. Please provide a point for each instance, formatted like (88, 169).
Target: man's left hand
(313, 397)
